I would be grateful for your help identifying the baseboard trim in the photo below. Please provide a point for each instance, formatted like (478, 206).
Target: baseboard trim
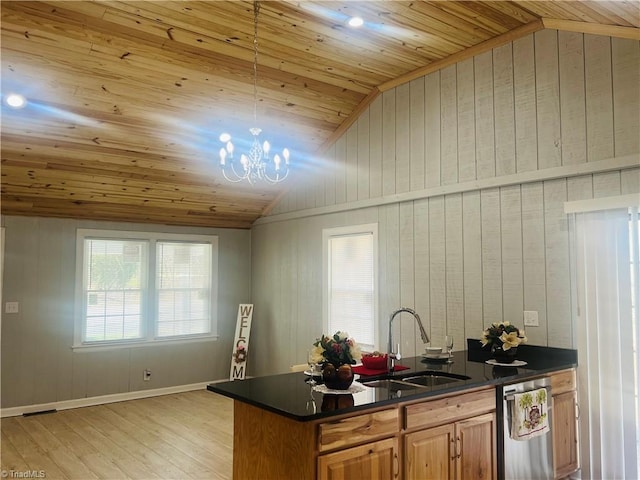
(102, 399)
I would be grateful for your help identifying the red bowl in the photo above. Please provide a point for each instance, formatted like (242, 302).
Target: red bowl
(374, 363)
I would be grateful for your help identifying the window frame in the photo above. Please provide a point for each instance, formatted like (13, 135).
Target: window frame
(351, 230)
(150, 296)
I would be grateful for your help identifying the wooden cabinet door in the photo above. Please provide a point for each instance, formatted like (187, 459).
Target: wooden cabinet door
(375, 461)
(565, 434)
(430, 454)
(476, 457)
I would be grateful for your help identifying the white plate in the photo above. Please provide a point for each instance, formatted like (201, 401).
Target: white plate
(355, 387)
(515, 363)
(312, 373)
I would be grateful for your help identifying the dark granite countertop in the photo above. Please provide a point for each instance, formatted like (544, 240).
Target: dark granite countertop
(291, 395)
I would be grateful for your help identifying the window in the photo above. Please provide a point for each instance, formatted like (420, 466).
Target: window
(350, 283)
(144, 287)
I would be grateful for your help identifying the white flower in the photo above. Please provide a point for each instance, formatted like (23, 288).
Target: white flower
(316, 354)
(354, 349)
(342, 335)
(510, 340)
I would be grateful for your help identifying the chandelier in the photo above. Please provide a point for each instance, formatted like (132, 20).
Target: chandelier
(256, 164)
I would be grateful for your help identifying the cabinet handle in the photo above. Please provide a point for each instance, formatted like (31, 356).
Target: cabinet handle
(577, 411)
(396, 472)
(452, 450)
(458, 450)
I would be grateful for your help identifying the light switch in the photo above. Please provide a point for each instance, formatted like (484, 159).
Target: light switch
(531, 319)
(11, 307)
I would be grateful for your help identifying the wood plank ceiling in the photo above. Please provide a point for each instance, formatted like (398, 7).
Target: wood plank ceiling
(126, 99)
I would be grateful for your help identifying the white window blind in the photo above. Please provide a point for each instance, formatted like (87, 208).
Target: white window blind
(184, 281)
(115, 287)
(144, 287)
(351, 259)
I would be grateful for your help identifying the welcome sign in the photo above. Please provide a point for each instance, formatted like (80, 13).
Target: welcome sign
(241, 344)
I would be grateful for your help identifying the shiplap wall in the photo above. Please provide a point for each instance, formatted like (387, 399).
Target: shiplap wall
(38, 363)
(466, 171)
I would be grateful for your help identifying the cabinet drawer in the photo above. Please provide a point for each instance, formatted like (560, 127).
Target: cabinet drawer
(562, 382)
(448, 409)
(362, 428)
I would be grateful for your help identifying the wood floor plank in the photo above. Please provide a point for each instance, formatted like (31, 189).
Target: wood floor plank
(66, 459)
(100, 465)
(158, 440)
(16, 431)
(187, 435)
(10, 459)
(120, 457)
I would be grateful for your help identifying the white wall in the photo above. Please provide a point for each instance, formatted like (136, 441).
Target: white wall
(38, 364)
(466, 171)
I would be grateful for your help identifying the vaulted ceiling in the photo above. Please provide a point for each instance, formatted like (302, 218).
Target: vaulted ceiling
(126, 99)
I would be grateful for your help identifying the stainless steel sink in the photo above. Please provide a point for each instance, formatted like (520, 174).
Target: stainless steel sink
(429, 379)
(391, 385)
(384, 389)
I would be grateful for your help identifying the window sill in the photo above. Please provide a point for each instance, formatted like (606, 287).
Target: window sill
(95, 347)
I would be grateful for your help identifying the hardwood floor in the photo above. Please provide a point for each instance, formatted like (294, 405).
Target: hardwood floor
(179, 436)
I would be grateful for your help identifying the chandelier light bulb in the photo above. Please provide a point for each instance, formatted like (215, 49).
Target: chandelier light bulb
(225, 137)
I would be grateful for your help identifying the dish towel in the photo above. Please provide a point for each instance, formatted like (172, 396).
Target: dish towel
(529, 414)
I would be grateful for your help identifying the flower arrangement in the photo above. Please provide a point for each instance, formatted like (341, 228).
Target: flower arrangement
(337, 350)
(502, 335)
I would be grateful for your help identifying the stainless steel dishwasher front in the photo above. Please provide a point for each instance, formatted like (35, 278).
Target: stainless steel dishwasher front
(530, 459)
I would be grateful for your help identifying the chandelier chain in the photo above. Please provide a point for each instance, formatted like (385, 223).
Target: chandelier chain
(256, 10)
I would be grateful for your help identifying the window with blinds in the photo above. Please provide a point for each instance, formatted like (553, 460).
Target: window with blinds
(115, 288)
(144, 287)
(350, 283)
(183, 288)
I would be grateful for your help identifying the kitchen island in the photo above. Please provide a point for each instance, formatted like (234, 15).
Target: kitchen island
(285, 429)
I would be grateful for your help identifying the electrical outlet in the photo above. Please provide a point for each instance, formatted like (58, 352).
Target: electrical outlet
(11, 307)
(531, 319)
(146, 375)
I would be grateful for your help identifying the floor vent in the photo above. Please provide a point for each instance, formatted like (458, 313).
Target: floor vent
(41, 412)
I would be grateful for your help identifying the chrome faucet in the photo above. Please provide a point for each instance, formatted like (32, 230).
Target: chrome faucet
(391, 355)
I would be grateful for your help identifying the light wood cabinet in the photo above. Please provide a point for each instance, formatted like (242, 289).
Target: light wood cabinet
(477, 456)
(430, 453)
(460, 450)
(565, 423)
(457, 439)
(359, 429)
(375, 461)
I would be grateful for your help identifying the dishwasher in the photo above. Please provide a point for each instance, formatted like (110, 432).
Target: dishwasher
(530, 456)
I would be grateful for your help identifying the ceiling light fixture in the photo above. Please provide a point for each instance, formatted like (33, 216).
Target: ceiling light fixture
(256, 164)
(15, 100)
(356, 22)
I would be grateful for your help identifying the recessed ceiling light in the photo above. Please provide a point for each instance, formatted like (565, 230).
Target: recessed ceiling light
(356, 21)
(16, 101)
